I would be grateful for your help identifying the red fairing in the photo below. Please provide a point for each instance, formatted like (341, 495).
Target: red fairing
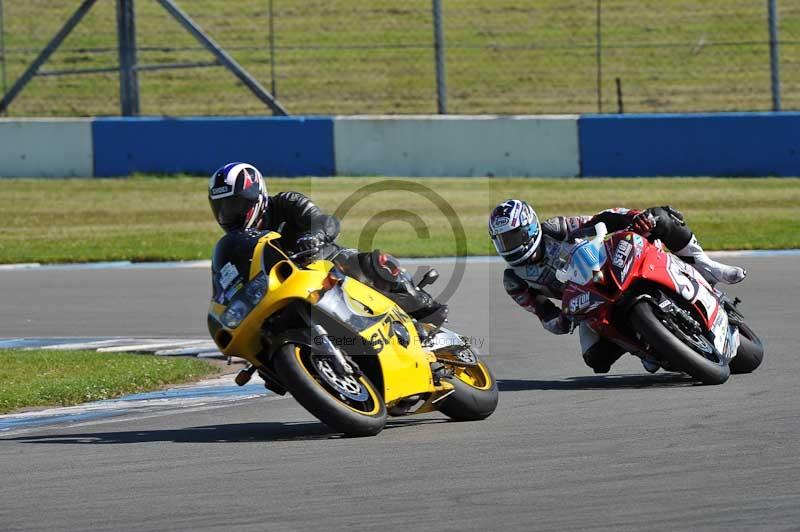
(630, 257)
(680, 278)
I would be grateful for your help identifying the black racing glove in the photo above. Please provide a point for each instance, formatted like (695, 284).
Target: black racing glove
(644, 223)
(309, 241)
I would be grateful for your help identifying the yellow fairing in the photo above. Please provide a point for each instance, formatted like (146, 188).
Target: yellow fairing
(286, 283)
(246, 340)
(406, 370)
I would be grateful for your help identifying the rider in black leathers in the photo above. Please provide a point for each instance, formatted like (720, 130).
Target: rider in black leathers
(239, 200)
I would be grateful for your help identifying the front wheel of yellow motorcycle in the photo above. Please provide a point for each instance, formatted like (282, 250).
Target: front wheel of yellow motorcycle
(475, 396)
(346, 403)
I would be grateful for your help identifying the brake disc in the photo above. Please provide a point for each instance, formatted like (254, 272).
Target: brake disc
(347, 385)
(462, 357)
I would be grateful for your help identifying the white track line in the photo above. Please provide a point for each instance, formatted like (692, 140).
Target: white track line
(208, 393)
(201, 348)
(87, 345)
(152, 346)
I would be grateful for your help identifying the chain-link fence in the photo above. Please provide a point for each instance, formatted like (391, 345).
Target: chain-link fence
(379, 56)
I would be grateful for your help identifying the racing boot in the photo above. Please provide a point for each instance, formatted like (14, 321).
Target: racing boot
(598, 353)
(712, 271)
(602, 355)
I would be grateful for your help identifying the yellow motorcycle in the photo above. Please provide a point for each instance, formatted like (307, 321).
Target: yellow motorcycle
(347, 353)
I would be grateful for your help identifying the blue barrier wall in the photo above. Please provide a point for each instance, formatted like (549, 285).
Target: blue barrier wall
(730, 144)
(282, 146)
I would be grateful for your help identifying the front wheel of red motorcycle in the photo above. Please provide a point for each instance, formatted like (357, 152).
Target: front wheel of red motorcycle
(685, 351)
(750, 353)
(346, 403)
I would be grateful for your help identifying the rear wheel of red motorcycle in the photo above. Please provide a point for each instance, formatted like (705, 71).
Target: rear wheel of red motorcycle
(347, 404)
(750, 353)
(668, 346)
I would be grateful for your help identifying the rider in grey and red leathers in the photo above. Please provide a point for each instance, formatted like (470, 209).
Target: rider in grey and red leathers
(238, 196)
(531, 249)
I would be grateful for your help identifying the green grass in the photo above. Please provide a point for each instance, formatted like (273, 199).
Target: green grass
(376, 56)
(152, 219)
(44, 377)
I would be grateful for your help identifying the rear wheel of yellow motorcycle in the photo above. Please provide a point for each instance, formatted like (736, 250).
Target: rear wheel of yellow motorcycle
(475, 396)
(347, 404)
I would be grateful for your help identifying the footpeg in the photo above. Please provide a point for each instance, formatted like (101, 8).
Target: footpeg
(244, 376)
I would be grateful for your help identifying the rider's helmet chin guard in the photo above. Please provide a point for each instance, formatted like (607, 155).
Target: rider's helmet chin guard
(238, 196)
(515, 231)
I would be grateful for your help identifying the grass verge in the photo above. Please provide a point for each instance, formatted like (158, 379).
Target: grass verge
(156, 219)
(45, 377)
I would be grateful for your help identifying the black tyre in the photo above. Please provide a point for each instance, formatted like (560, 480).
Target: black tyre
(350, 405)
(475, 393)
(673, 346)
(750, 353)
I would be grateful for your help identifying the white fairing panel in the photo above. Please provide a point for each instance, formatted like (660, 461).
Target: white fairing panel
(726, 336)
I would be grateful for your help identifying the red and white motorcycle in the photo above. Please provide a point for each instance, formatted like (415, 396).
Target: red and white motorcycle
(641, 297)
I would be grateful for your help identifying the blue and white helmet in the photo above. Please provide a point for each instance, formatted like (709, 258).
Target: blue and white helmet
(238, 196)
(515, 231)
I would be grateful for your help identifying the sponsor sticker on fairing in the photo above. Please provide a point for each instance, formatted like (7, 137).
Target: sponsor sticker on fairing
(227, 275)
(621, 254)
(578, 302)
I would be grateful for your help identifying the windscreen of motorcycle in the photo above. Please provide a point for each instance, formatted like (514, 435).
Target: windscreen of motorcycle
(230, 263)
(585, 258)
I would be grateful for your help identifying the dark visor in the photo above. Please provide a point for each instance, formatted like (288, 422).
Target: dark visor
(232, 211)
(511, 240)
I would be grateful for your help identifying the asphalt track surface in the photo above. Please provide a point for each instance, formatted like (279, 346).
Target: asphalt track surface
(566, 450)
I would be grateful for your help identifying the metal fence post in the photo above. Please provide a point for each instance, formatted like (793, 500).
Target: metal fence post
(438, 43)
(774, 55)
(128, 77)
(599, 54)
(273, 89)
(3, 52)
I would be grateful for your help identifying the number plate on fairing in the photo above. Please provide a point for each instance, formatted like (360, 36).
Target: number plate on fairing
(720, 330)
(726, 337)
(692, 287)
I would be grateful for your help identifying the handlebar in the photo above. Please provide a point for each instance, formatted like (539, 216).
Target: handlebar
(304, 253)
